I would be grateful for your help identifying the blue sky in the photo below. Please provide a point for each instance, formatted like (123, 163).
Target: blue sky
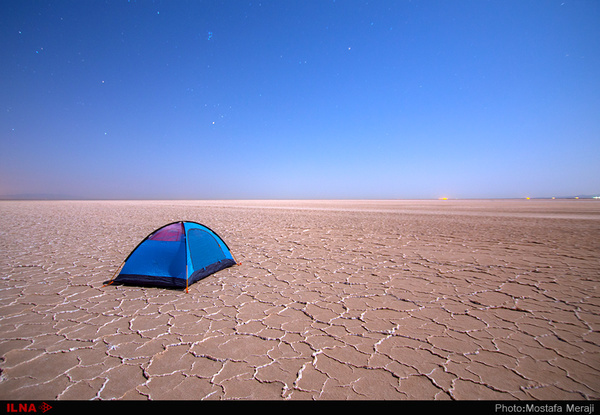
(300, 99)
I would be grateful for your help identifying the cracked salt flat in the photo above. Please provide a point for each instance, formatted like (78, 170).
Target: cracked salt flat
(334, 300)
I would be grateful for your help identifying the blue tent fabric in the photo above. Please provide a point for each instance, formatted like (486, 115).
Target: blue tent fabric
(176, 255)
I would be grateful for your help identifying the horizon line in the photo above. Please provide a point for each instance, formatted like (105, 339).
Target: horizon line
(57, 198)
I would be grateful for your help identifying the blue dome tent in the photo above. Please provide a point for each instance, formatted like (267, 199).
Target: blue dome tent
(176, 256)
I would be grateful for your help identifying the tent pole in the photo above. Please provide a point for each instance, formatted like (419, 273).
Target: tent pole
(186, 279)
(187, 253)
(114, 275)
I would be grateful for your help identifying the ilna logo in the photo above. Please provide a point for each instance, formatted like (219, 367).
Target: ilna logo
(12, 407)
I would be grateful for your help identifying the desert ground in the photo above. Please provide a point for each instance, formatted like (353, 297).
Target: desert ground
(466, 299)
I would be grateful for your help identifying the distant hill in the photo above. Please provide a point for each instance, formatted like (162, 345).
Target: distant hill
(596, 196)
(36, 196)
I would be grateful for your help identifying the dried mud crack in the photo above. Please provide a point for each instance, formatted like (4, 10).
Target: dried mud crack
(333, 300)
